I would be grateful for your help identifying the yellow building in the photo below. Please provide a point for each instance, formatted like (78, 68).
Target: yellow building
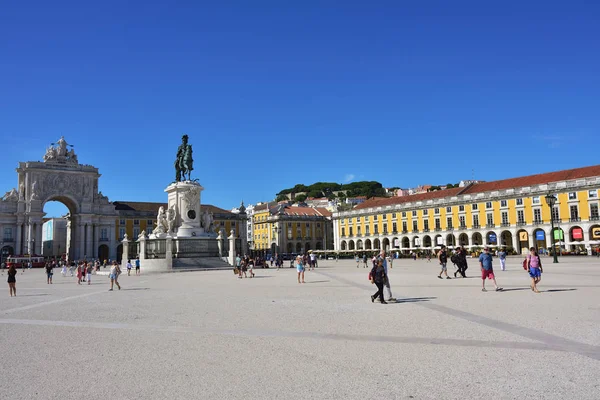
(136, 217)
(283, 228)
(511, 213)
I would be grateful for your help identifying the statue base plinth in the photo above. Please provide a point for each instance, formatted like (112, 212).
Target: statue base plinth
(184, 198)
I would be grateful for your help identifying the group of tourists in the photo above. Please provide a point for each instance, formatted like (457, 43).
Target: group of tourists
(83, 270)
(243, 265)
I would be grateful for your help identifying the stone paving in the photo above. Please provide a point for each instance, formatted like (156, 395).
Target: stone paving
(209, 335)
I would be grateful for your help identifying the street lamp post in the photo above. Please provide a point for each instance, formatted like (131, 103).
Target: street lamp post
(551, 200)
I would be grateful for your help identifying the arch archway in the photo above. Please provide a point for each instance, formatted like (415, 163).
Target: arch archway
(307, 247)
(376, 244)
(290, 247)
(477, 239)
(395, 243)
(319, 245)
(523, 240)
(367, 244)
(6, 252)
(103, 252)
(576, 237)
(416, 242)
(60, 177)
(450, 240)
(427, 241)
(463, 239)
(506, 239)
(351, 245)
(491, 238)
(298, 247)
(343, 245)
(386, 244)
(405, 243)
(539, 239)
(359, 244)
(438, 241)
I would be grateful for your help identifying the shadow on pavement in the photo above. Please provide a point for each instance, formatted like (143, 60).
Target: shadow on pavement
(34, 295)
(412, 300)
(558, 290)
(317, 281)
(140, 288)
(514, 289)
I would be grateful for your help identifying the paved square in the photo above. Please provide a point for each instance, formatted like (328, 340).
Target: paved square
(210, 335)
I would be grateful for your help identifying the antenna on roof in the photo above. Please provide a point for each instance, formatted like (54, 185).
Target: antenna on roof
(473, 174)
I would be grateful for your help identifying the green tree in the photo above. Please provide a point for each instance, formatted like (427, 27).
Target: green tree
(281, 197)
(300, 198)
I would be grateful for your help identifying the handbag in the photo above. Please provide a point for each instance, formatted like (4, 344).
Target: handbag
(236, 271)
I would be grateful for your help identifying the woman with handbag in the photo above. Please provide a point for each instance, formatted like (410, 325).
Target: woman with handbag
(534, 267)
(378, 277)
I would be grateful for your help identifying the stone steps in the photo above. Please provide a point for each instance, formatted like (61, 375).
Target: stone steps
(199, 264)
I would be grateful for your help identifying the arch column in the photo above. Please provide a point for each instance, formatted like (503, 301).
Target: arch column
(38, 238)
(88, 241)
(18, 238)
(96, 242)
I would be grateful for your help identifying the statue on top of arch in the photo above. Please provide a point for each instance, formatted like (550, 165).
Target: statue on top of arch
(58, 152)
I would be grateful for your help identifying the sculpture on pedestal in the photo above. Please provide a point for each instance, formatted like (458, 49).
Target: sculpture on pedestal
(184, 162)
(161, 222)
(34, 191)
(171, 220)
(207, 220)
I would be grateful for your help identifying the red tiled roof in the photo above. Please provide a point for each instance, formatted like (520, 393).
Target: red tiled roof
(548, 177)
(387, 201)
(307, 211)
(538, 179)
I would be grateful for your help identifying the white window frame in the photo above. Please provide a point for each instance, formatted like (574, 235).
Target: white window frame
(519, 201)
(593, 194)
(535, 200)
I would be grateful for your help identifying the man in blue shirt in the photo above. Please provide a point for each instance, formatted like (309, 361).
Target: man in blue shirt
(487, 271)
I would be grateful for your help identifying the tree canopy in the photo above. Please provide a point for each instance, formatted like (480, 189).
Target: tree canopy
(328, 189)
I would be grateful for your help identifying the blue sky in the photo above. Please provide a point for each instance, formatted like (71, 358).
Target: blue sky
(276, 93)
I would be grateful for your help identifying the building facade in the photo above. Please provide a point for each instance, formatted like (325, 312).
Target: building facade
(54, 237)
(283, 228)
(511, 213)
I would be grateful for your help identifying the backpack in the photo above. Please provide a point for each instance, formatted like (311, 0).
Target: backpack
(454, 259)
(525, 264)
(370, 276)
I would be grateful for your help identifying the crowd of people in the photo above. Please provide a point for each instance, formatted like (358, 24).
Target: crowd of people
(82, 270)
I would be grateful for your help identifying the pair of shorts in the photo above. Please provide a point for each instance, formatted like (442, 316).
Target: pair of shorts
(535, 273)
(487, 273)
(444, 268)
(300, 269)
(113, 276)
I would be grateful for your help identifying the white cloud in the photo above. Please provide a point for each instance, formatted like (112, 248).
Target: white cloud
(348, 178)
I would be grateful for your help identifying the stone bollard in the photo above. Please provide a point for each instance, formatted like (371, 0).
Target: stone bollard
(169, 253)
(142, 249)
(125, 254)
(232, 248)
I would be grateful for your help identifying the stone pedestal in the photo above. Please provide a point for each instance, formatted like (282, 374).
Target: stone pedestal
(125, 252)
(142, 249)
(184, 200)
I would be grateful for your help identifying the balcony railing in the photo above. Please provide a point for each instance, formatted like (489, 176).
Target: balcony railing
(394, 232)
(104, 239)
(404, 230)
(462, 226)
(8, 240)
(538, 221)
(415, 231)
(521, 223)
(574, 219)
(425, 229)
(504, 224)
(476, 226)
(594, 218)
(450, 228)
(490, 226)
(438, 229)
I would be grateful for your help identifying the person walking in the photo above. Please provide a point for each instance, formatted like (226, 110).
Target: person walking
(459, 259)
(357, 260)
(129, 266)
(88, 273)
(502, 258)
(313, 261)
(300, 268)
(386, 284)
(443, 258)
(487, 271)
(365, 261)
(79, 274)
(534, 267)
(244, 267)
(49, 272)
(64, 269)
(12, 280)
(379, 278)
(137, 266)
(114, 276)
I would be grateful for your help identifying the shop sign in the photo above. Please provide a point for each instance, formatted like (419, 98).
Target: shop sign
(558, 234)
(523, 236)
(540, 235)
(492, 239)
(578, 233)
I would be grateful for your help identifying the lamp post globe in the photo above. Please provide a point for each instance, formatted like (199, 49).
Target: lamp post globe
(551, 200)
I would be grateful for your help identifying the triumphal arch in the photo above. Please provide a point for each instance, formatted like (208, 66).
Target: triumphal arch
(60, 177)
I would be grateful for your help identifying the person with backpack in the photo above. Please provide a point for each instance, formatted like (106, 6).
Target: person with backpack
(443, 258)
(534, 267)
(460, 260)
(379, 278)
